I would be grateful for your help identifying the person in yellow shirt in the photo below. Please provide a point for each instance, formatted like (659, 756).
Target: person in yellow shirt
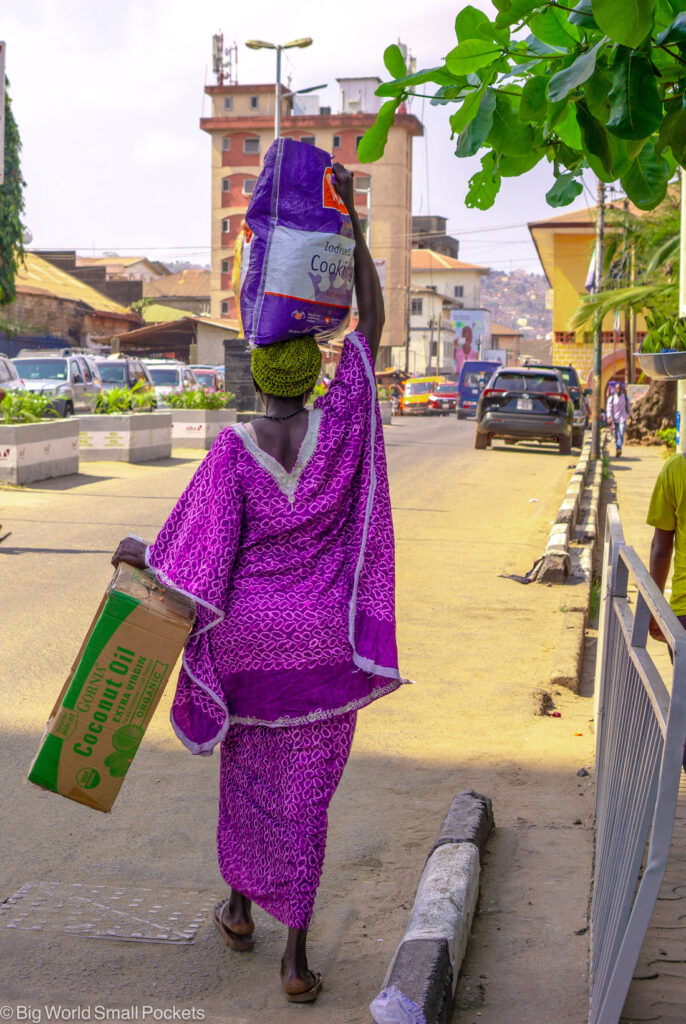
(667, 514)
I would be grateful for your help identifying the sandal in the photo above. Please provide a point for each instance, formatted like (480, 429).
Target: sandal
(239, 943)
(310, 994)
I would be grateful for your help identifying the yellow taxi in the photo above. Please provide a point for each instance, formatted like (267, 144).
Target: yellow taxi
(415, 398)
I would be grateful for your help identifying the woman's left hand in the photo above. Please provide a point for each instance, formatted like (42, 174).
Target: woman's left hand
(343, 181)
(132, 551)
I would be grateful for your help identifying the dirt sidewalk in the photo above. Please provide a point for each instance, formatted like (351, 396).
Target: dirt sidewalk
(658, 992)
(477, 645)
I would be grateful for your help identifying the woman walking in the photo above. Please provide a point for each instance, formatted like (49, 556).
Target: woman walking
(284, 537)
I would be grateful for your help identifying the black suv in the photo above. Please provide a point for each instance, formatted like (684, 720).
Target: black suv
(525, 403)
(575, 392)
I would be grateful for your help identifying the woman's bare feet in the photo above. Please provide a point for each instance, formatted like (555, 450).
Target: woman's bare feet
(236, 914)
(234, 922)
(300, 984)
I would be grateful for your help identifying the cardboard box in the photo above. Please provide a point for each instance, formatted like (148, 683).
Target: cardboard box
(113, 689)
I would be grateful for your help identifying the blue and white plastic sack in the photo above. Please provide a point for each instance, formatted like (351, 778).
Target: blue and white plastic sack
(297, 265)
(392, 1007)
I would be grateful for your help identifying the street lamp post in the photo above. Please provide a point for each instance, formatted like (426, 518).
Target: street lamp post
(259, 44)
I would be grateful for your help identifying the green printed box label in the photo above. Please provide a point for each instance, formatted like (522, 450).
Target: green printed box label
(107, 704)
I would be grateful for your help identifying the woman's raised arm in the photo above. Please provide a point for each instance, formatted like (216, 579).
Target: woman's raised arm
(367, 285)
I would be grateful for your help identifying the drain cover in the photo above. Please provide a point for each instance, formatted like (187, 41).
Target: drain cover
(107, 912)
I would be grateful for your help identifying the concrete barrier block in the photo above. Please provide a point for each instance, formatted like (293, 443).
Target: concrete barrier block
(469, 820)
(39, 451)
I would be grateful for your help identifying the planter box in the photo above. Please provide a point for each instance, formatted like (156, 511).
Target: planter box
(663, 365)
(197, 428)
(39, 451)
(126, 437)
(386, 410)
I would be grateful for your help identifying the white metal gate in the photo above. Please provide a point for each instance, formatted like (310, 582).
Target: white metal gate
(640, 735)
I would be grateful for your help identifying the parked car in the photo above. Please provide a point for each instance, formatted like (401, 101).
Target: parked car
(9, 378)
(168, 376)
(575, 392)
(415, 398)
(211, 378)
(126, 372)
(71, 382)
(474, 376)
(525, 404)
(443, 399)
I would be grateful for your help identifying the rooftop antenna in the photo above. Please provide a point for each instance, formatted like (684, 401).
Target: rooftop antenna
(411, 65)
(224, 69)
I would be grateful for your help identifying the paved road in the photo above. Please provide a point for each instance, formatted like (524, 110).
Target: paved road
(475, 644)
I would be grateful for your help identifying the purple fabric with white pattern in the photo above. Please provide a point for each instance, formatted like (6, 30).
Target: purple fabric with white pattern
(275, 786)
(294, 572)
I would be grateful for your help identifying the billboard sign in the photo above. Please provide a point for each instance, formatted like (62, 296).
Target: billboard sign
(471, 334)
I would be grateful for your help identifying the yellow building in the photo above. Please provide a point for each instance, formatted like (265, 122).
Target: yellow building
(565, 247)
(242, 128)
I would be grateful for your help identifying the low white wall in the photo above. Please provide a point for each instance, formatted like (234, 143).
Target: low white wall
(127, 437)
(39, 451)
(197, 428)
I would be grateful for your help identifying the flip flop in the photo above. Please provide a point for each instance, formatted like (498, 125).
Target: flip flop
(239, 943)
(310, 994)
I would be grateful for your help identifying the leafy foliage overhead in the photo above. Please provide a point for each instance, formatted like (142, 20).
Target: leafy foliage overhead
(11, 208)
(599, 85)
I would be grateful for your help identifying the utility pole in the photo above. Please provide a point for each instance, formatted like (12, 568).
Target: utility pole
(438, 343)
(431, 345)
(598, 335)
(407, 328)
(628, 317)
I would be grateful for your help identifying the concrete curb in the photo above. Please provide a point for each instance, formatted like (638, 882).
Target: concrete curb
(556, 564)
(575, 601)
(426, 964)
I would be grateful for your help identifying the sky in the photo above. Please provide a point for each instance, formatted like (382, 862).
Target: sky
(108, 95)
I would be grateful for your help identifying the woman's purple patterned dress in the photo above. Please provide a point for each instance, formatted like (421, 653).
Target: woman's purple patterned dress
(294, 578)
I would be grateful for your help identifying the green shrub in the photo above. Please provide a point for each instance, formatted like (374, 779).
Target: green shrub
(124, 400)
(665, 334)
(383, 393)
(668, 437)
(24, 407)
(200, 399)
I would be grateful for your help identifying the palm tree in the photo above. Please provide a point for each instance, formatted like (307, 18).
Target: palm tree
(641, 266)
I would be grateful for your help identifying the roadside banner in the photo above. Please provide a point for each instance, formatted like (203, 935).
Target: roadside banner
(471, 334)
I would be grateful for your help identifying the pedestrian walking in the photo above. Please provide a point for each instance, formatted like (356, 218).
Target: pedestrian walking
(617, 412)
(667, 514)
(284, 538)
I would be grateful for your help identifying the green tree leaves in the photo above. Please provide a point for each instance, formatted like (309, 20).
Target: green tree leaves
(509, 135)
(599, 85)
(635, 104)
(676, 33)
(484, 185)
(394, 61)
(564, 81)
(645, 182)
(11, 208)
(373, 142)
(474, 135)
(471, 55)
(626, 21)
(564, 191)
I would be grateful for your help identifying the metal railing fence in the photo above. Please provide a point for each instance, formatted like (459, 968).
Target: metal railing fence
(640, 734)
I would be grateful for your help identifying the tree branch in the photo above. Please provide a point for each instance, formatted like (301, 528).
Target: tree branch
(663, 46)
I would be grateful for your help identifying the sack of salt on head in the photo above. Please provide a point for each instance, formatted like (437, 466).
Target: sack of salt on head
(296, 274)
